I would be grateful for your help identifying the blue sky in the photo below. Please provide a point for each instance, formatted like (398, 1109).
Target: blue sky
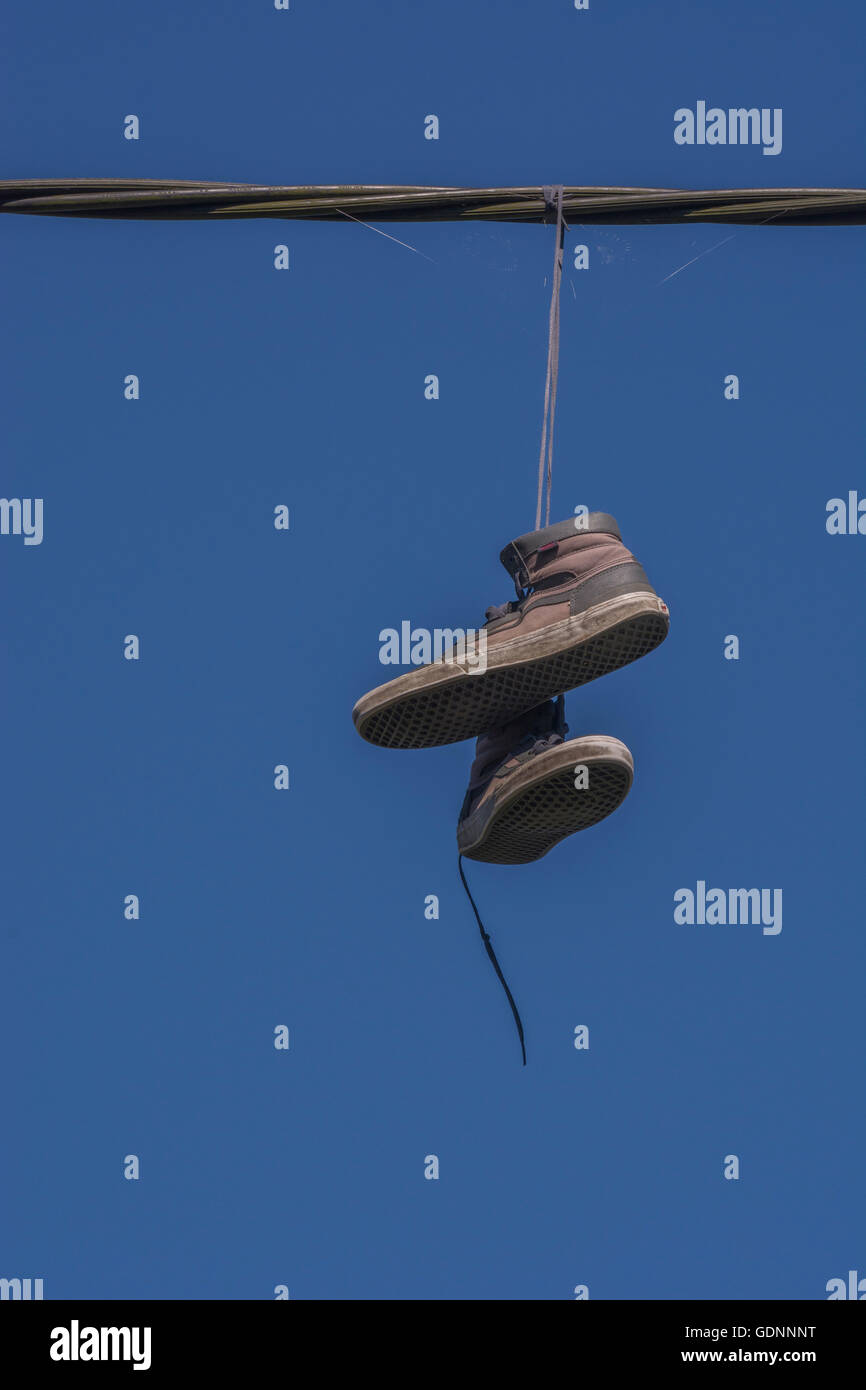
(306, 908)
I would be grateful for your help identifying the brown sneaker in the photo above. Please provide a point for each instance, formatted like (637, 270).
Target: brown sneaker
(584, 607)
(530, 787)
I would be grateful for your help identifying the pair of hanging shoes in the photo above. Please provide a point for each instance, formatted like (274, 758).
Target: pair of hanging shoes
(583, 607)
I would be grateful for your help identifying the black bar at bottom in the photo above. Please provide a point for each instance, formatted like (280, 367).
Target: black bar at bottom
(217, 1339)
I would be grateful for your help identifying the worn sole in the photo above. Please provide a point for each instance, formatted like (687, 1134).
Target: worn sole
(539, 804)
(445, 701)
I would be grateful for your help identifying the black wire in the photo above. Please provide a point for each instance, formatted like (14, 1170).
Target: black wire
(491, 953)
(168, 198)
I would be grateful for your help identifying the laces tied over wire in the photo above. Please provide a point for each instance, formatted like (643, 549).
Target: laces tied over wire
(553, 206)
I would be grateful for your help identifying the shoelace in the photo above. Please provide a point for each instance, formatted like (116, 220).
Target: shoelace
(523, 590)
(528, 747)
(488, 946)
(499, 610)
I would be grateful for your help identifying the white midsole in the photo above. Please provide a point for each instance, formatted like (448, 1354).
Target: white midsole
(547, 641)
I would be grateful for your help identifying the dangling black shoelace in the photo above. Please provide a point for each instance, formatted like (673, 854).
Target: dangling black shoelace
(489, 949)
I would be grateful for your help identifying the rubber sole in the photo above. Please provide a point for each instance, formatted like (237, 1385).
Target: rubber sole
(539, 804)
(444, 702)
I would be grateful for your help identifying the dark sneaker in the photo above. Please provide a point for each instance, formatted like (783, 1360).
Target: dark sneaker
(530, 787)
(584, 607)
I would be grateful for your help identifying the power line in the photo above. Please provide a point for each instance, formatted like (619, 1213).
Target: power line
(177, 199)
